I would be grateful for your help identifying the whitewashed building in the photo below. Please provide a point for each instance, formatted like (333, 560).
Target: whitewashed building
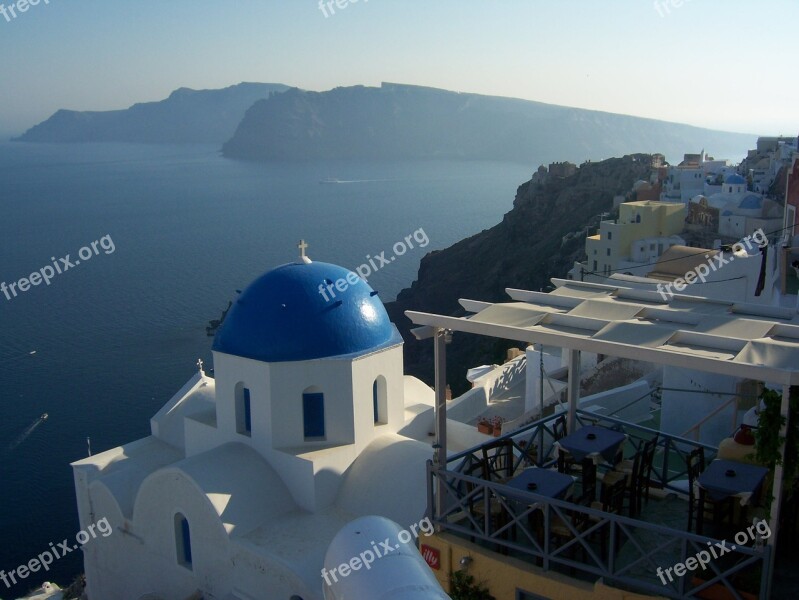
(247, 476)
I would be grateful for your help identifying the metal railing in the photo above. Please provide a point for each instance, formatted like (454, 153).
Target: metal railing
(670, 455)
(626, 552)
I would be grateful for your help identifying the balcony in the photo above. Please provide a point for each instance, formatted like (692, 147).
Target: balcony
(468, 499)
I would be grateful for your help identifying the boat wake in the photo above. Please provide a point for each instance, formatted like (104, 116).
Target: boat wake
(339, 181)
(28, 431)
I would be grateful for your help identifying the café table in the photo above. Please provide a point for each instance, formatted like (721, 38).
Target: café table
(544, 482)
(725, 480)
(595, 443)
(591, 445)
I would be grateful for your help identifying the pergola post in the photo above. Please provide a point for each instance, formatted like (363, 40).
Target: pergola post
(440, 352)
(776, 489)
(574, 388)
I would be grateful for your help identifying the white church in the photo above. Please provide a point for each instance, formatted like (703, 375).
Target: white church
(307, 423)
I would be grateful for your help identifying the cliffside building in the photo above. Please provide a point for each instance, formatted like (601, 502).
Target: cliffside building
(643, 231)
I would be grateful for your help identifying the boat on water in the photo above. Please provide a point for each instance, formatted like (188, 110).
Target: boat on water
(329, 180)
(44, 416)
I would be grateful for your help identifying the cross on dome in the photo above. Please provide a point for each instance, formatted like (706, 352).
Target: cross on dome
(303, 246)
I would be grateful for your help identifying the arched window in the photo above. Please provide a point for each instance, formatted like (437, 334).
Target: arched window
(243, 410)
(380, 401)
(183, 541)
(313, 414)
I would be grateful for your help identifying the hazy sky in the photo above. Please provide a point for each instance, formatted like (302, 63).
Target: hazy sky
(728, 65)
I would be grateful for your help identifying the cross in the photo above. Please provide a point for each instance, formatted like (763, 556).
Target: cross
(303, 246)
(200, 364)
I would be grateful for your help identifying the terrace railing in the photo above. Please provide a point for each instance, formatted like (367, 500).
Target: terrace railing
(626, 552)
(537, 440)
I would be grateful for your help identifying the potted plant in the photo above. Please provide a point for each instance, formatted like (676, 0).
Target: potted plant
(496, 424)
(769, 441)
(463, 587)
(485, 426)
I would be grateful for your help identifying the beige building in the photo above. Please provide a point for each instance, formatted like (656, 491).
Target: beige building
(643, 231)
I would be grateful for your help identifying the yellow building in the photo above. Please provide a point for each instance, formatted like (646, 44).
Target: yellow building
(643, 231)
(510, 578)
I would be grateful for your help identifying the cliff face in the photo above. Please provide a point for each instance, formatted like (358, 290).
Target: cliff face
(187, 116)
(523, 251)
(402, 121)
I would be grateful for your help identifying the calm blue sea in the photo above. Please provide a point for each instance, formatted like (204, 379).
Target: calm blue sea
(115, 336)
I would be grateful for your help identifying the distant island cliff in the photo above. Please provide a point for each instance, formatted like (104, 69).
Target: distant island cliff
(186, 116)
(529, 247)
(270, 121)
(410, 122)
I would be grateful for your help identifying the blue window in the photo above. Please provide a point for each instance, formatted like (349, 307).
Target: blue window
(247, 413)
(375, 403)
(243, 410)
(183, 540)
(313, 415)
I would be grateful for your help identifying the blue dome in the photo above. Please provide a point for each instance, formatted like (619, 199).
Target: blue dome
(283, 316)
(751, 202)
(735, 180)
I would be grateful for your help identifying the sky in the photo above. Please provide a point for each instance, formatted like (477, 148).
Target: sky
(724, 65)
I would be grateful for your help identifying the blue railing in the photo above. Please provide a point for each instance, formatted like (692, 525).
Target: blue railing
(670, 456)
(626, 552)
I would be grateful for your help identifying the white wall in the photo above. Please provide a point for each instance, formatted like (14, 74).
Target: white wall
(532, 391)
(228, 371)
(615, 402)
(683, 409)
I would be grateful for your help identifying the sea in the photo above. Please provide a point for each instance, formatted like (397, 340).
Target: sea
(146, 244)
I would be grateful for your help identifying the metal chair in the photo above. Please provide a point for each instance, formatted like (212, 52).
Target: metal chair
(477, 503)
(612, 502)
(559, 428)
(498, 459)
(695, 461)
(642, 474)
(564, 531)
(648, 467)
(631, 480)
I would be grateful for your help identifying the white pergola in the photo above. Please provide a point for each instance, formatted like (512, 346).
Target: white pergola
(726, 338)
